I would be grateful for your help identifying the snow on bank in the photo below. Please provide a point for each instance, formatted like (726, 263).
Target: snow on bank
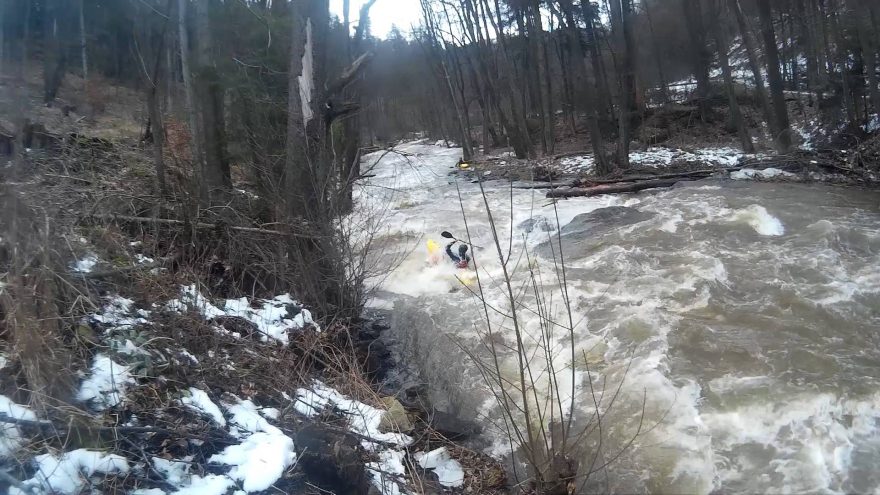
(68, 474)
(10, 436)
(662, 157)
(85, 264)
(364, 420)
(448, 470)
(584, 164)
(199, 402)
(270, 316)
(767, 173)
(118, 313)
(264, 454)
(104, 388)
(254, 465)
(659, 157)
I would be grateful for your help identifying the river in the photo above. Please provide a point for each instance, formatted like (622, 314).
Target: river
(734, 326)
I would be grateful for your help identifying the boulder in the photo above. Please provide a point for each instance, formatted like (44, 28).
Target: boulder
(395, 418)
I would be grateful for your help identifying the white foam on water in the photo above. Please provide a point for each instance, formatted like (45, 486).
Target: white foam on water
(759, 219)
(642, 293)
(813, 438)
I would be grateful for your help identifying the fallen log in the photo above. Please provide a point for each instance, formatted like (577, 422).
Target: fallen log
(542, 185)
(699, 174)
(612, 188)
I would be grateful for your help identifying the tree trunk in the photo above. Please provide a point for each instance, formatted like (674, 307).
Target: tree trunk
(518, 132)
(216, 177)
(754, 64)
(808, 45)
(621, 19)
(736, 118)
(158, 130)
(198, 156)
(82, 42)
(845, 82)
(54, 49)
(868, 40)
(4, 14)
(602, 165)
(20, 96)
(599, 73)
(308, 165)
(700, 57)
(664, 90)
(547, 112)
(780, 112)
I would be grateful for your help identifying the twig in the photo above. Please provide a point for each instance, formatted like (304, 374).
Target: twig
(199, 225)
(121, 271)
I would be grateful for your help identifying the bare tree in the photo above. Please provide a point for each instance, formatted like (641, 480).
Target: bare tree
(771, 49)
(189, 90)
(596, 141)
(754, 64)
(56, 33)
(543, 68)
(624, 43)
(216, 180)
(664, 90)
(82, 41)
(700, 56)
(154, 39)
(736, 118)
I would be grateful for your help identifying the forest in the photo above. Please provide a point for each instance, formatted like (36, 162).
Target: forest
(210, 202)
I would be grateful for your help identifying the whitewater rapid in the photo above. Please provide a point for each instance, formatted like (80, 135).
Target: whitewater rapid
(739, 319)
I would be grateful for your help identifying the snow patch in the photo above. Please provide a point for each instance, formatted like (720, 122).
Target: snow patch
(578, 164)
(85, 264)
(175, 472)
(767, 173)
(10, 436)
(117, 314)
(199, 401)
(104, 388)
(258, 461)
(265, 453)
(448, 470)
(661, 157)
(68, 474)
(873, 124)
(270, 316)
(141, 259)
(386, 470)
(363, 419)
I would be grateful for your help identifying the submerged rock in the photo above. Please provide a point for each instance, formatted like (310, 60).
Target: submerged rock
(586, 230)
(536, 223)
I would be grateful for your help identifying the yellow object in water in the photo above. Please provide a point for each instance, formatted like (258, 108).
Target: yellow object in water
(464, 166)
(433, 247)
(434, 253)
(467, 278)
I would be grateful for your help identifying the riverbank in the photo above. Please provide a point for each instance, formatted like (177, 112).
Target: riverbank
(134, 359)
